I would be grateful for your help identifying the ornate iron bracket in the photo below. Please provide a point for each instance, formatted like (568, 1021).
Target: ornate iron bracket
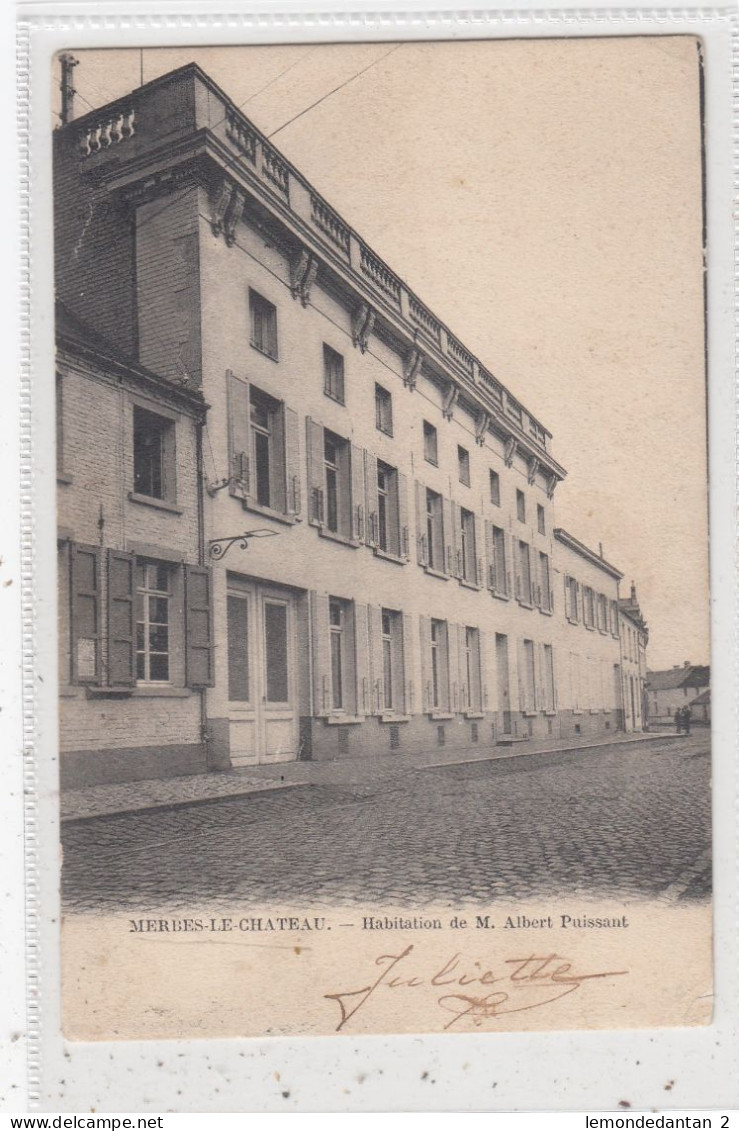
(219, 547)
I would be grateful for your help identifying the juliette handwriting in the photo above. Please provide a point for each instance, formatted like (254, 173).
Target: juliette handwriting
(471, 991)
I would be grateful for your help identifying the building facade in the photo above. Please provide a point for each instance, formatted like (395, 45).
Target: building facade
(634, 639)
(401, 582)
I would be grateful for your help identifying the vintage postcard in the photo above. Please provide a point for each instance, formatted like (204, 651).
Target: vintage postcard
(383, 649)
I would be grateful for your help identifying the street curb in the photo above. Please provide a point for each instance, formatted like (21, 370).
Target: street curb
(163, 805)
(549, 750)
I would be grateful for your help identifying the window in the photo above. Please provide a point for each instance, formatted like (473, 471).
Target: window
(152, 622)
(262, 412)
(336, 459)
(263, 449)
(528, 681)
(588, 607)
(540, 519)
(494, 487)
(276, 651)
(263, 325)
(545, 583)
(520, 506)
(524, 566)
(392, 661)
(237, 609)
(430, 443)
(499, 576)
(388, 533)
(336, 621)
(614, 618)
(383, 410)
(333, 374)
(472, 669)
(468, 549)
(602, 612)
(153, 455)
(463, 460)
(434, 531)
(439, 683)
(572, 610)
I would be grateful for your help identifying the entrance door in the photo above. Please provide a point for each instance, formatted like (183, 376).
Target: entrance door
(504, 687)
(263, 710)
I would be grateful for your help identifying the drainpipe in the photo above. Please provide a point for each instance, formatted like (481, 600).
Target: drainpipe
(204, 735)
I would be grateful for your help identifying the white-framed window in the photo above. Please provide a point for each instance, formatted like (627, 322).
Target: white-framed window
(430, 444)
(337, 469)
(588, 606)
(337, 652)
(494, 488)
(520, 505)
(153, 598)
(439, 665)
(388, 533)
(541, 523)
(392, 660)
(499, 578)
(545, 583)
(263, 317)
(602, 612)
(572, 611)
(333, 374)
(383, 410)
(468, 547)
(434, 530)
(473, 668)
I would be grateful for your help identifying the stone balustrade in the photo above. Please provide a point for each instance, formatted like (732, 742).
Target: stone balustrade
(107, 132)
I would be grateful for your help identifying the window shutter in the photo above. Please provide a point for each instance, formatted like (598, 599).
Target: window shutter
(198, 627)
(453, 701)
(85, 613)
(464, 688)
(424, 632)
(490, 555)
(239, 435)
(520, 664)
(404, 548)
(370, 480)
(361, 652)
(541, 703)
(457, 552)
(518, 580)
(314, 449)
(121, 618)
(320, 652)
(479, 566)
(375, 648)
(408, 666)
(553, 688)
(421, 541)
(292, 462)
(357, 493)
(509, 566)
(448, 534)
(484, 696)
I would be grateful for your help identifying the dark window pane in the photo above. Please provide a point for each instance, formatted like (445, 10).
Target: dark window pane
(261, 458)
(158, 610)
(159, 668)
(337, 690)
(275, 640)
(238, 649)
(159, 639)
(140, 666)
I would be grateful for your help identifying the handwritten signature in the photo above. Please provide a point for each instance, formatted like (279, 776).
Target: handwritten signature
(522, 984)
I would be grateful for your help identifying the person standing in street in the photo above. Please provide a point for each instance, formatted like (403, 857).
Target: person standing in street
(678, 720)
(686, 716)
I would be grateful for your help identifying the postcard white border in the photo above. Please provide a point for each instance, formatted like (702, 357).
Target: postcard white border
(533, 1071)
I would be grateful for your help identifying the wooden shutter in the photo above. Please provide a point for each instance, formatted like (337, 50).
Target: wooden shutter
(540, 703)
(293, 494)
(404, 547)
(85, 613)
(489, 555)
(421, 539)
(424, 632)
(479, 556)
(361, 654)
(484, 694)
(239, 435)
(320, 653)
(408, 665)
(452, 668)
(448, 534)
(357, 493)
(198, 627)
(121, 618)
(508, 544)
(457, 558)
(375, 648)
(314, 449)
(464, 687)
(371, 533)
(517, 575)
(521, 669)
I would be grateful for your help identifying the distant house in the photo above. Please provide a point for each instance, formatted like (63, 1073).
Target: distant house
(701, 707)
(674, 688)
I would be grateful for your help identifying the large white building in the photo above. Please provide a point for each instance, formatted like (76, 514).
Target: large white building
(407, 585)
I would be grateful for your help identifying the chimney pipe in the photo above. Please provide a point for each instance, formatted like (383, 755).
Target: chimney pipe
(68, 63)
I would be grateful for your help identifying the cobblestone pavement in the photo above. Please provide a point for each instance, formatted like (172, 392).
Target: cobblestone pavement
(622, 821)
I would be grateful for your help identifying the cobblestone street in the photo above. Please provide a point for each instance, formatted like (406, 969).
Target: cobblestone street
(619, 821)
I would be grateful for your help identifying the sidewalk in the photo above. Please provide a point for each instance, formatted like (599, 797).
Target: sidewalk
(131, 797)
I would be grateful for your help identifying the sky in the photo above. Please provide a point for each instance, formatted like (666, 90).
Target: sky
(543, 198)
